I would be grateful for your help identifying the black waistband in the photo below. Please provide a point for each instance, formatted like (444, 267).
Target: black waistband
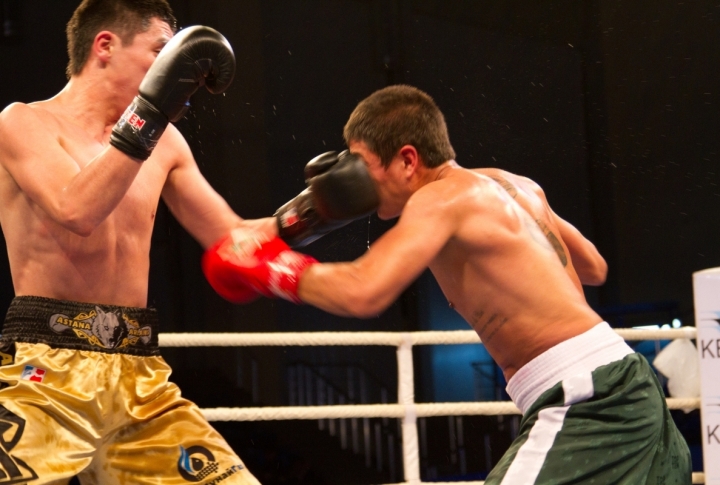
(82, 326)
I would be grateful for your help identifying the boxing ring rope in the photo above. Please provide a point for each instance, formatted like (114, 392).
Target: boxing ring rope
(406, 408)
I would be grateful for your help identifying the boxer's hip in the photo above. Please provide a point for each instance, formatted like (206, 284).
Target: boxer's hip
(100, 359)
(581, 354)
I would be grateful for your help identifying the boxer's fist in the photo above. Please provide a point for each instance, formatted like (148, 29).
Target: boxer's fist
(240, 267)
(196, 56)
(340, 190)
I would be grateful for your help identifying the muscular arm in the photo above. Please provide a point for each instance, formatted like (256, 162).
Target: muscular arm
(365, 287)
(75, 196)
(590, 266)
(196, 205)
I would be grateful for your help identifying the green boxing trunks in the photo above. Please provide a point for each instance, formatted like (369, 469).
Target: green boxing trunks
(593, 413)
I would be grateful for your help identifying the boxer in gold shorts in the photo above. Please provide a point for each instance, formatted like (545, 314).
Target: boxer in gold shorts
(83, 390)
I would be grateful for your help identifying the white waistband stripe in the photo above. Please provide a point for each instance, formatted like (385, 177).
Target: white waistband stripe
(579, 355)
(530, 457)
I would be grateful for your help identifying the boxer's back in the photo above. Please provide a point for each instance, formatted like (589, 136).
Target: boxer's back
(110, 265)
(530, 197)
(507, 271)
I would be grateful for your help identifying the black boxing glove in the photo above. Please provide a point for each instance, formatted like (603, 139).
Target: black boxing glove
(196, 56)
(340, 190)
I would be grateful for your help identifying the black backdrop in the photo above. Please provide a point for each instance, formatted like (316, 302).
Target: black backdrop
(611, 106)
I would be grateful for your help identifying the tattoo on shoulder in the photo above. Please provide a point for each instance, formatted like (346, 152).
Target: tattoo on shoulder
(554, 242)
(510, 188)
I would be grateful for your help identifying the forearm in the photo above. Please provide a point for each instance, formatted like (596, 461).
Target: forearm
(341, 289)
(264, 229)
(95, 191)
(210, 219)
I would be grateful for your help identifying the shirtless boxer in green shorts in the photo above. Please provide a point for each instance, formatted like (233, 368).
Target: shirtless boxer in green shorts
(593, 411)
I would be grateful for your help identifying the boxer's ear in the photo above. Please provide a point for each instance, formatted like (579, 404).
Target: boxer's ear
(103, 46)
(410, 159)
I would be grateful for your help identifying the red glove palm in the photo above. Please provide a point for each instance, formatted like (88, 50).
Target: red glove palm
(240, 268)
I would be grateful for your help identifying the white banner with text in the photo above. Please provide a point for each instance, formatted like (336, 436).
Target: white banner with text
(706, 287)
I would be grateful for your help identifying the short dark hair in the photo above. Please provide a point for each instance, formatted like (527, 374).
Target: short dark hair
(400, 115)
(126, 18)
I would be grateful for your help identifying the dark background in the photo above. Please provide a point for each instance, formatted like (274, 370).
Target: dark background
(611, 106)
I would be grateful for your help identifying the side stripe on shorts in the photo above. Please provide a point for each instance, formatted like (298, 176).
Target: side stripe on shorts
(530, 458)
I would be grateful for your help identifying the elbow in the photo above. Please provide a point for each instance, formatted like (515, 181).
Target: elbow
(593, 280)
(82, 230)
(363, 313)
(76, 223)
(366, 305)
(595, 277)
(601, 273)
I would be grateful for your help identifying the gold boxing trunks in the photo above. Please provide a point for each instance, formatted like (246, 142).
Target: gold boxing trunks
(84, 391)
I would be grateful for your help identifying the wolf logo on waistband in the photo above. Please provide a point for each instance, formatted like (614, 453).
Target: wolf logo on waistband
(108, 330)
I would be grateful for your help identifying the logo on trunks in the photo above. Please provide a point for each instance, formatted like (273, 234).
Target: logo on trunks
(197, 463)
(109, 330)
(32, 373)
(12, 469)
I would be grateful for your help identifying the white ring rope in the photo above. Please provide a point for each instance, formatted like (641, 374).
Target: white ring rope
(422, 410)
(406, 409)
(371, 338)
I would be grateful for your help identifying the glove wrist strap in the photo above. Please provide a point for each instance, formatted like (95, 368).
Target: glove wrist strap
(138, 130)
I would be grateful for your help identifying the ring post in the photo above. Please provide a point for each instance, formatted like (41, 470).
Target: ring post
(706, 287)
(406, 397)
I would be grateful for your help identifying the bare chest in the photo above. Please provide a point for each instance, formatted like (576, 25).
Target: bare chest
(138, 205)
(129, 222)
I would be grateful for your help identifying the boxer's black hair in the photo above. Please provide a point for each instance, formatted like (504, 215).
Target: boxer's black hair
(400, 115)
(126, 18)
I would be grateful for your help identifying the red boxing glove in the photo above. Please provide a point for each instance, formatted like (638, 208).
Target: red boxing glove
(221, 275)
(241, 267)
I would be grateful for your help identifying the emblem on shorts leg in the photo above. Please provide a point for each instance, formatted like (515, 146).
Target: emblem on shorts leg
(12, 469)
(32, 373)
(196, 463)
(108, 330)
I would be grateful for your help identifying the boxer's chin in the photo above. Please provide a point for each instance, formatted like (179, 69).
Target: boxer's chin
(385, 213)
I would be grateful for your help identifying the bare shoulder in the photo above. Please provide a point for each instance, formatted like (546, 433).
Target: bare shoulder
(16, 115)
(21, 119)
(21, 125)
(460, 193)
(513, 182)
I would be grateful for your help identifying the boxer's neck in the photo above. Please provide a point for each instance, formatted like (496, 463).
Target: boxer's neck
(93, 103)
